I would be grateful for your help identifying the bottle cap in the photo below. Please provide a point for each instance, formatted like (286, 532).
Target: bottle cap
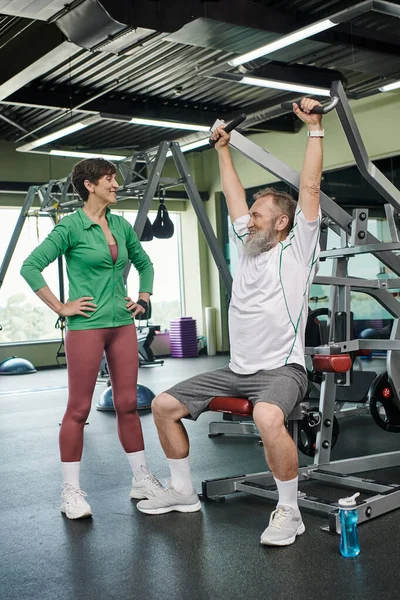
(350, 501)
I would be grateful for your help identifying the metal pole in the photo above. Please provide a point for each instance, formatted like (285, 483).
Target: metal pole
(367, 169)
(29, 198)
(202, 217)
(152, 185)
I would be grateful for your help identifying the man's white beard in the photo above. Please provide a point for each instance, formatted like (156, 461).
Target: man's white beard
(262, 241)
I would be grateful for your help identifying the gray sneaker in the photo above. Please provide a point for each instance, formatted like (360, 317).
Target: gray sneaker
(73, 504)
(145, 486)
(285, 524)
(167, 500)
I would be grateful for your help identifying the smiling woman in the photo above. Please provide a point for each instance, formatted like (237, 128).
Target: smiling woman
(97, 246)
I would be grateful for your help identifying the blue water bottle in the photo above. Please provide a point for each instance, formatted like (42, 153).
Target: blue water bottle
(349, 544)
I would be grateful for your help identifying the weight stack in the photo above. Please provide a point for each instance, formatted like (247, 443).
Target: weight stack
(183, 338)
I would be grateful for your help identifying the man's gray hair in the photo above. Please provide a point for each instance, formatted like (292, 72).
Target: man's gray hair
(284, 203)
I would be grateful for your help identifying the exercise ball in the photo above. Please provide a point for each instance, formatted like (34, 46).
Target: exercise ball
(16, 366)
(370, 334)
(106, 401)
(144, 398)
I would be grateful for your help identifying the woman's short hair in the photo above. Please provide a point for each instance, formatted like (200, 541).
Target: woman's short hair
(90, 169)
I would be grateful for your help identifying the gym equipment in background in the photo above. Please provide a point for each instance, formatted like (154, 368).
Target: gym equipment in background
(381, 406)
(16, 366)
(145, 337)
(308, 429)
(144, 399)
(163, 227)
(183, 338)
(147, 233)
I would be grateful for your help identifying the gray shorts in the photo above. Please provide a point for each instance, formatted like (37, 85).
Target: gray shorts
(285, 387)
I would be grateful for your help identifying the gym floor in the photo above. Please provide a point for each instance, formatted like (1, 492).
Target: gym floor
(122, 553)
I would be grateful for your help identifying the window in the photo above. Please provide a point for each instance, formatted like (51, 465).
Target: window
(23, 315)
(366, 266)
(167, 299)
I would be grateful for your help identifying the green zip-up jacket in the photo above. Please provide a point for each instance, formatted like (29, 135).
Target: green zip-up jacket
(90, 268)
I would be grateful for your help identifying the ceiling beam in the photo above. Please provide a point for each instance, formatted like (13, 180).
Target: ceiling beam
(296, 73)
(20, 187)
(61, 98)
(57, 99)
(13, 123)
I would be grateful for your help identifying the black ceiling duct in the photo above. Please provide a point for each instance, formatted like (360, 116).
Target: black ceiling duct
(295, 73)
(89, 24)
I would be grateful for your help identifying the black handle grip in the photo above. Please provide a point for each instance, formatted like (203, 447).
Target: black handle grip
(232, 125)
(317, 110)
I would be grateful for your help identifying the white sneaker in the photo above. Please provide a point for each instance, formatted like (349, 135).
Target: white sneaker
(167, 500)
(145, 486)
(285, 524)
(73, 503)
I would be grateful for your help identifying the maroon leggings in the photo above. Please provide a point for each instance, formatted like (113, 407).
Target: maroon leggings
(84, 350)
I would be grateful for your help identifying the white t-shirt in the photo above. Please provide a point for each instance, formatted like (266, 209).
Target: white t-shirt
(269, 304)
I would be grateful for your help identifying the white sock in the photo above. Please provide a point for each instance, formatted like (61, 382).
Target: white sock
(137, 460)
(70, 472)
(287, 491)
(180, 475)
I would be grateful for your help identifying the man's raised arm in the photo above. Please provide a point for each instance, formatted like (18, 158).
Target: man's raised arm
(231, 186)
(310, 178)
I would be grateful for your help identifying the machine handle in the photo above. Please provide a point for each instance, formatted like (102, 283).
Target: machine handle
(232, 125)
(317, 110)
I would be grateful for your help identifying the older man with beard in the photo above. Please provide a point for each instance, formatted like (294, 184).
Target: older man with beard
(277, 241)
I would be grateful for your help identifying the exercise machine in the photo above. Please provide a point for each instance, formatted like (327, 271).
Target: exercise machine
(333, 358)
(145, 337)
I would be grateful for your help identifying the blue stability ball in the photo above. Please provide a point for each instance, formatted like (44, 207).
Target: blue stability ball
(16, 366)
(144, 398)
(370, 334)
(106, 400)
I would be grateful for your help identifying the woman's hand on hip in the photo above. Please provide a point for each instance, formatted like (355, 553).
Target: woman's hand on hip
(77, 307)
(135, 308)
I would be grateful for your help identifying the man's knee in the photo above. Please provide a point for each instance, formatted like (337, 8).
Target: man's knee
(269, 418)
(165, 406)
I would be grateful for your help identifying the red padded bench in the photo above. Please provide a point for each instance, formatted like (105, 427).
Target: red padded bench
(235, 409)
(332, 363)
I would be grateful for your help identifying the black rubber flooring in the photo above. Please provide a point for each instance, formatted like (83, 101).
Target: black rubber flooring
(123, 554)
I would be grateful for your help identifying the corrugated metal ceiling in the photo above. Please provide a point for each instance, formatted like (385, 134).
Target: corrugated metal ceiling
(163, 73)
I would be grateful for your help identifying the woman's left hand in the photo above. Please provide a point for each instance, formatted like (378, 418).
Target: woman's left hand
(136, 309)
